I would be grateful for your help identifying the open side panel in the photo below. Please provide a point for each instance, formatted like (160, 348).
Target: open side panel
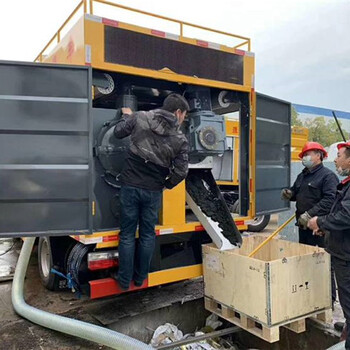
(45, 142)
(244, 143)
(273, 141)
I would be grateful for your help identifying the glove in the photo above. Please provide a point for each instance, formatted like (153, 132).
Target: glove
(286, 194)
(303, 220)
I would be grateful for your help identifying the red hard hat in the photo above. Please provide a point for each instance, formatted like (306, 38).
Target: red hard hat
(313, 146)
(344, 144)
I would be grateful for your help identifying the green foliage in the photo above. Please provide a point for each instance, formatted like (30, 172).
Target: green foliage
(321, 129)
(295, 120)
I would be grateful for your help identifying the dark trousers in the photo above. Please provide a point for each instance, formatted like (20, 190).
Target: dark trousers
(138, 207)
(306, 237)
(342, 274)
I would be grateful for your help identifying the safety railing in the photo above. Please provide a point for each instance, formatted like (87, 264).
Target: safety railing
(88, 7)
(57, 35)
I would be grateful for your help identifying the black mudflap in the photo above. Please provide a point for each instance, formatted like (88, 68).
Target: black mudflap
(201, 186)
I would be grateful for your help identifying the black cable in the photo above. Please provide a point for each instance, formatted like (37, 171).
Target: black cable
(340, 129)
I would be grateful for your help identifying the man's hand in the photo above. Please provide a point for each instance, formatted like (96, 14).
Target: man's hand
(303, 220)
(286, 194)
(126, 110)
(312, 225)
(318, 233)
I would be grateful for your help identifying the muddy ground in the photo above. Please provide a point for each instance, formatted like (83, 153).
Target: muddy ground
(18, 333)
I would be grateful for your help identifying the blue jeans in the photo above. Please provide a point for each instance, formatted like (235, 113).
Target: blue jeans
(138, 207)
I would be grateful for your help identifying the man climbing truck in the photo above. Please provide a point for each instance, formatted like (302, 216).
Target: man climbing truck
(72, 194)
(157, 159)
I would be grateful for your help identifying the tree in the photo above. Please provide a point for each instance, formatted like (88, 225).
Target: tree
(334, 131)
(295, 118)
(322, 131)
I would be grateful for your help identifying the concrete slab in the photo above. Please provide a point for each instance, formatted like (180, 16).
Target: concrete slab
(114, 309)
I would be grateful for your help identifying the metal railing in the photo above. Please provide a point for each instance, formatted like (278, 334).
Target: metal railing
(57, 35)
(89, 5)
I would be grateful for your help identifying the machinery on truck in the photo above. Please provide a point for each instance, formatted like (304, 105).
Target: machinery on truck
(61, 161)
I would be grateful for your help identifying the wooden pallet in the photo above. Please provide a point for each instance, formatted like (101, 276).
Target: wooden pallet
(269, 333)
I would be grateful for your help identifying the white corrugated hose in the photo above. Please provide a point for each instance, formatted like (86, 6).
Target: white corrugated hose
(339, 346)
(62, 324)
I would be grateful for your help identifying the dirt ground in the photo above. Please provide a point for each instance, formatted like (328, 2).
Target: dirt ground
(18, 333)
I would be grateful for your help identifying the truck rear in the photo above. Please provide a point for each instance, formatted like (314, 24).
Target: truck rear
(61, 162)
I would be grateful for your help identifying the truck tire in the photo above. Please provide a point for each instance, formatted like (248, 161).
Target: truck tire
(259, 223)
(48, 279)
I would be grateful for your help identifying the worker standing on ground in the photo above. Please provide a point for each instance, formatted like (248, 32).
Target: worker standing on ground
(314, 192)
(157, 158)
(336, 228)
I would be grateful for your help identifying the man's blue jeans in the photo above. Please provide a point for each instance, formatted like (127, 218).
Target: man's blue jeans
(138, 207)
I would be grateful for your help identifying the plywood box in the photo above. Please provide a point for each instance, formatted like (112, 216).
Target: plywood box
(282, 283)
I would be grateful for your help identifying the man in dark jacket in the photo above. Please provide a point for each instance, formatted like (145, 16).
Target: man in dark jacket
(336, 228)
(157, 158)
(313, 190)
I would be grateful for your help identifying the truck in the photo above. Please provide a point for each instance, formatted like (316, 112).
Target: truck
(61, 162)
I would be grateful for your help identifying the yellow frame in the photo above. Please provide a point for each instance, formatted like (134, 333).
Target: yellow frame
(84, 45)
(88, 6)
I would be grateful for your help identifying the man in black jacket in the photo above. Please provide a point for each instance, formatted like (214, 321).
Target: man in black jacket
(336, 228)
(313, 190)
(157, 158)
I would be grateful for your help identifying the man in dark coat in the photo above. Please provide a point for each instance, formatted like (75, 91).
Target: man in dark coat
(157, 158)
(336, 228)
(313, 190)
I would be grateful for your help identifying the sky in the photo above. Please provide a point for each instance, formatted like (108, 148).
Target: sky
(302, 47)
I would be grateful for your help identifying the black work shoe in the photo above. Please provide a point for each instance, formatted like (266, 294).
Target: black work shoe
(123, 287)
(138, 283)
(338, 326)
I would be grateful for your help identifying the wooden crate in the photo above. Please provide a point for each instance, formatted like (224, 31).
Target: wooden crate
(283, 283)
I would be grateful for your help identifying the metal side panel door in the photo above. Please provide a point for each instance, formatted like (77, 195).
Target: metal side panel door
(273, 154)
(45, 150)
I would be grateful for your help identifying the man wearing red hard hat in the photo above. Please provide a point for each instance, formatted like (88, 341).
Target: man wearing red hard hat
(313, 190)
(336, 228)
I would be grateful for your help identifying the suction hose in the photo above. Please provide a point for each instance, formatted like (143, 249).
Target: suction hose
(338, 346)
(62, 324)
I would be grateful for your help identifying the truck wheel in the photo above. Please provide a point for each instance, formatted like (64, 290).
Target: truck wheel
(48, 279)
(259, 223)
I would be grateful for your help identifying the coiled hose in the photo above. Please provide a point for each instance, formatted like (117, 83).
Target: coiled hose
(62, 324)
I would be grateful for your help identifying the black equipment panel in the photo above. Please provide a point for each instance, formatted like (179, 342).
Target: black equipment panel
(147, 51)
